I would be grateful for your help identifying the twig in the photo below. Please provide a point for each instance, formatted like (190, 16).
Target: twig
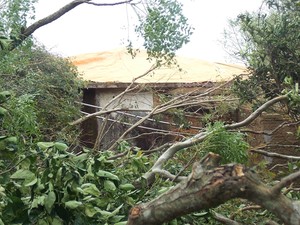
(284, 124)
(187, 165)
(275, 155)
(224, 219)
(250, 207)
(278, 165)
(168, 175)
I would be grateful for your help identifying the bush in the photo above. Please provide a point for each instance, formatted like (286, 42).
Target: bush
(52, 84)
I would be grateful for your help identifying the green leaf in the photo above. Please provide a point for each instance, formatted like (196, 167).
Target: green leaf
(61, 146)
(102, 173)
(116, 219)
(57, 221)
(43, 222)
(26, 175)
(49, 201)
(2, 111)
(12, 140)
(127, 187)
(4, 95)
(29, 183)
(90, 211)
(109, 185)
(38, 201)
(174, 222)
(116, 211)
(90, 188)
(73, 204)
(121, 223)
(81, 157)
(45, 145)
(104, 213)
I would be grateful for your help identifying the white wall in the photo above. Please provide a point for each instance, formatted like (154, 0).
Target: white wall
(140, 100)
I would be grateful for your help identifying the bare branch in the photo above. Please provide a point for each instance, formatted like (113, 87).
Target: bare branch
(88, 116)
(170, 152)
(256, 113)
(138, 123)
(224, 219)
(285, 182)
(274, 154)
(56, 15)
(250, 207)
(284, 124)
(168, 175)
(110, 4)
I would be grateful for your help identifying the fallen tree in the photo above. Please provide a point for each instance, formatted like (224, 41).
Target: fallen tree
(210, 185)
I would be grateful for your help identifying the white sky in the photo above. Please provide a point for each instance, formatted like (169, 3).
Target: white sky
(89, 28)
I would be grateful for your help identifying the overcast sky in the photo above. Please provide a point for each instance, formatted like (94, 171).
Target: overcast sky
(89, 28)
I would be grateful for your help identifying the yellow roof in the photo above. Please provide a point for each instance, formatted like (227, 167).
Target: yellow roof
(118, 66)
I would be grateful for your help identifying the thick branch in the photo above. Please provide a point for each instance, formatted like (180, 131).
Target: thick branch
(256, 113)
(225, 220)
(208, 187)
(285, 182)
(56, 15)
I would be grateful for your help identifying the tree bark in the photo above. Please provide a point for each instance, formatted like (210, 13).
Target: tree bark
(210, 185)
(56, 15)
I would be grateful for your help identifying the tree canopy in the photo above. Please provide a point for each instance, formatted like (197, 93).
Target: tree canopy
(269, 43)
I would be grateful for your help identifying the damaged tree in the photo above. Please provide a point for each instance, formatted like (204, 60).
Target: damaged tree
(210, 185)
(77, 184)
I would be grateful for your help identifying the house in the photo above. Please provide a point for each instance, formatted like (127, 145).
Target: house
(110, 73)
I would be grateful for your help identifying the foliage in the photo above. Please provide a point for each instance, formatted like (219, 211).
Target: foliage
(51, 83)
(47, 183)
(270, 46)
(164, 29)
(7, 143)
(14, 17)
(21, 120)
(50, 185)
(229, 145)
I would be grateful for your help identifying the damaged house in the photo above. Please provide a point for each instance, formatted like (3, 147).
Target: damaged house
(110, 73)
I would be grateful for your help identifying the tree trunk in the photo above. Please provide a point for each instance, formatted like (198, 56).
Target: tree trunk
(210, 185)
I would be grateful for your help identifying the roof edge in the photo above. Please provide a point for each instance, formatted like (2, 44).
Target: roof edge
(113, 85)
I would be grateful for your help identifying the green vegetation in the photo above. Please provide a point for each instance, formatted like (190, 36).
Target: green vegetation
(46, 177)
(269, 43)
(231, 146)
(48, 184)
(164, 29)
(48, 84)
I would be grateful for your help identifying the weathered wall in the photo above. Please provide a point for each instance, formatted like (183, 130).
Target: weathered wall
(282, 141)
(141, 100)
(117, 123)
(145, 101)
